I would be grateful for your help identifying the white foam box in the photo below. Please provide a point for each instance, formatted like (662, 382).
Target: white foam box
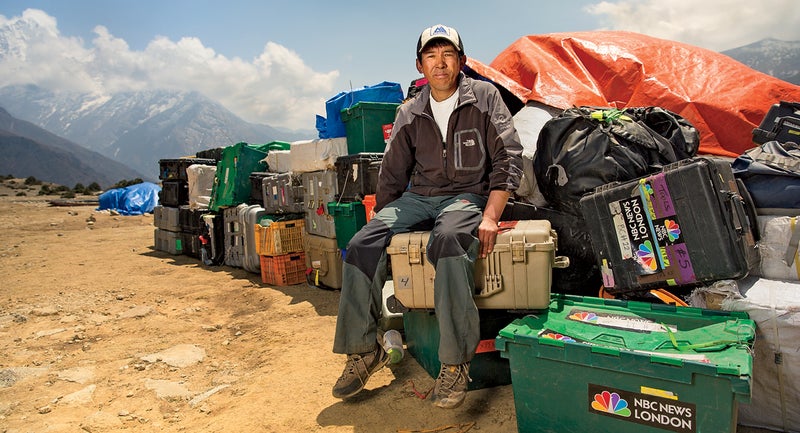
(315, 155)
(778, 247)
(279, 161)
(200, 178)
(517, 274)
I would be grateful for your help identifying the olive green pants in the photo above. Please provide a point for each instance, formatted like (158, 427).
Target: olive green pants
(452, 250)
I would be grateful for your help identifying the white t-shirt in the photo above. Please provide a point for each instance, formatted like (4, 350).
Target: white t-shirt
(442, 110)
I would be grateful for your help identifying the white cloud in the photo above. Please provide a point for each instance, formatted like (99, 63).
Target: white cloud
(276, 88)
(713, 24)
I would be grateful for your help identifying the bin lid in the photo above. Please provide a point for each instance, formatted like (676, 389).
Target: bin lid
(718, 341)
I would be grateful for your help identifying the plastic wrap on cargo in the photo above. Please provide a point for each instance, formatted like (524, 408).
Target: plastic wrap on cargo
(201, 182)
(778, 247)
(775, 307)
(279, 161)
(315, 155)
(529, 122)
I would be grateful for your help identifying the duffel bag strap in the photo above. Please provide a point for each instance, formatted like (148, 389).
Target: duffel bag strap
(788, 163)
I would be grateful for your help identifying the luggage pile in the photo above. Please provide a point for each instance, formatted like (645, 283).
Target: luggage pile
(284, 210)
(631, 217)
(178, 224)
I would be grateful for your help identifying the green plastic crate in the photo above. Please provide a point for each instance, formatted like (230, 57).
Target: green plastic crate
(590, 364)
(232, 184)
(487, 368)
(364, 125)
(348, 218)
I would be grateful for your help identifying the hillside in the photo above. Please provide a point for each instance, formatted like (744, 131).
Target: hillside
(28, 150)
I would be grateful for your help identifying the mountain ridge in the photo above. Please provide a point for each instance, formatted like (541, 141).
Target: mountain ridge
(28, 150)
(139, 128)
(780, 59)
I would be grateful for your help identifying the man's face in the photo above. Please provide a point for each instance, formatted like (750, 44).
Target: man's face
(440, 64)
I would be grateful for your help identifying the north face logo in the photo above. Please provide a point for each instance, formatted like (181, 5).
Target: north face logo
(439, 31)
(469, 142)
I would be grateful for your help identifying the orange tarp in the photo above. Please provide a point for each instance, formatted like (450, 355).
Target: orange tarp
(724, 99)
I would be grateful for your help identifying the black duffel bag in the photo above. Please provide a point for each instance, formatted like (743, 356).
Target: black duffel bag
(771, 174)
(587, 147)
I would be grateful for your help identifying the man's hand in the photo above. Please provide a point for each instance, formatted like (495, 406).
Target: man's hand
(487, 231)
(487, 234)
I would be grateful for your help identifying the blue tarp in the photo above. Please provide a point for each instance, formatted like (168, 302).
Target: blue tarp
(132, 200)
(333, 126)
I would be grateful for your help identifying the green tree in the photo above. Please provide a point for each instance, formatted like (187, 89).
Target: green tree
(93, 187)
(123, 183)
(30, 180)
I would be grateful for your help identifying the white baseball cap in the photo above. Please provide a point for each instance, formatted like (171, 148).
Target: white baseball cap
(440, 31)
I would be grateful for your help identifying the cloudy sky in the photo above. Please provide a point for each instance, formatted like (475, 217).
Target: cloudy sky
(277, 62)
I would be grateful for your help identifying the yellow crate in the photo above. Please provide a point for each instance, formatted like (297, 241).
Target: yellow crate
(279, 237)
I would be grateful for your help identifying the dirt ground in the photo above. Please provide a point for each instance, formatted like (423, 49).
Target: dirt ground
(92, 317)
(101, 333)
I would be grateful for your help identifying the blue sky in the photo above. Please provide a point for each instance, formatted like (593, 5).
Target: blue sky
(276, 62)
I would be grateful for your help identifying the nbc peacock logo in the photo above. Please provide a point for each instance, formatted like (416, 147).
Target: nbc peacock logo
(558, 336)
(611, 402)
(673, 230)
(584, 316)
(647, 256)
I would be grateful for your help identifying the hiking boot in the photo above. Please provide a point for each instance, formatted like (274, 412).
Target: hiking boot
(451, 386)
(357, 370)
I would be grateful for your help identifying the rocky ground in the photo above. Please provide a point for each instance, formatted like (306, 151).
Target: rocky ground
(101, 333)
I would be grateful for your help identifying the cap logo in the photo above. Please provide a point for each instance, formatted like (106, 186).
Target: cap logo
(440, 30)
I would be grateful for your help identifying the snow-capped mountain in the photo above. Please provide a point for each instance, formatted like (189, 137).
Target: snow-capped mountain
(138, 128)
(780, 59)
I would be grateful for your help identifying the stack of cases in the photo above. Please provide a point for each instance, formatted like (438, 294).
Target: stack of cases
(323, 255)
(174, 180)
(368, 126)
(169, 236)
(191, 227)
(279, 245)
(355, 181)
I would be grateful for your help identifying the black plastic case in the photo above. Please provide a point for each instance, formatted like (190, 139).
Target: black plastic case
(683, 226)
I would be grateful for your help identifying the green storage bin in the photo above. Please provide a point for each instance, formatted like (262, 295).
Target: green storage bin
(364, 125)
(487, 369)
(348, 218)
(232, 184)
(590, 364)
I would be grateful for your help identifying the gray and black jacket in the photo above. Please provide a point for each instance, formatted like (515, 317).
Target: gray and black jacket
(481, 153)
